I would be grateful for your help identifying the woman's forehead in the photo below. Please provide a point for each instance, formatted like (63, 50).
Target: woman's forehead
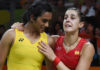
(71, 12)
(47, 15)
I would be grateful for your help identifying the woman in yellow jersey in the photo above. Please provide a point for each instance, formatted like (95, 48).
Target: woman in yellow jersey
(20, 47)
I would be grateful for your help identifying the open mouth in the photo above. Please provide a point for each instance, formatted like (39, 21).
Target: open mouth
(67, 25)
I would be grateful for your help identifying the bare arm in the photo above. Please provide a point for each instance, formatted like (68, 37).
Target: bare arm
(5, 44)
(48, 52)
(84, 62)
(50, 56)
(60, 66)
(86, 57)
(51, 42)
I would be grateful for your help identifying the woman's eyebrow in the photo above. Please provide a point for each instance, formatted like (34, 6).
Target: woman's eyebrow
(73, 15)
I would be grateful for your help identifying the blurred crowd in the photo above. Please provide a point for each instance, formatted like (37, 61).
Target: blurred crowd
(91, 29)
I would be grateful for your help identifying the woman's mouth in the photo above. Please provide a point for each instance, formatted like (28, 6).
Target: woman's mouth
(68, 25)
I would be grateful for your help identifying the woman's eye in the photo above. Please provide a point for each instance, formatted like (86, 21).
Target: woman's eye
(72, 17)
(65, 17)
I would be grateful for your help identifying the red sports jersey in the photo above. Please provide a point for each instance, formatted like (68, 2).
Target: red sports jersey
(71, 58)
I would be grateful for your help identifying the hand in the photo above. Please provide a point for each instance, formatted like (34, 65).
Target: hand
(47, 51)
(18, 25)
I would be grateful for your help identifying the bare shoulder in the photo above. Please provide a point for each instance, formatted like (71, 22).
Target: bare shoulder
(51, 41)
(8, 35)
(55, 37)
(88, 48)
(10, 32)
(86, 57)
(88, 45)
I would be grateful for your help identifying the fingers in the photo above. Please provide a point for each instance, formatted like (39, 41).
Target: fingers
(15, 24)
(42, 50)
(18, 25)
(46, 50)
(43, 44)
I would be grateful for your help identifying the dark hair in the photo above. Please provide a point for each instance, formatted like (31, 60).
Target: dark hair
(36, 10)
(81, 15)
(2, 26)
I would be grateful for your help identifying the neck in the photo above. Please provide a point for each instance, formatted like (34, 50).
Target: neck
(31, 30)
(71, 38)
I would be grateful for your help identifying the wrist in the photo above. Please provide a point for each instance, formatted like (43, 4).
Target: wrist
(53, 58)
(56, 61)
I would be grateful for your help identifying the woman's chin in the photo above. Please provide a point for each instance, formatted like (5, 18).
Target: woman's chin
(68, 31)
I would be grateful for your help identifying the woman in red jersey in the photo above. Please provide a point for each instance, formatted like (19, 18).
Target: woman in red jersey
(71, 52)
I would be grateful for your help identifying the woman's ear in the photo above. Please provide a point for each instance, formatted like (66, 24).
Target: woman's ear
(81, 24)
(32, 18)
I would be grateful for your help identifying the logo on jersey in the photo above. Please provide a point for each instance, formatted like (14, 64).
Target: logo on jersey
(58, 48)
(21, 39)
(77, 52)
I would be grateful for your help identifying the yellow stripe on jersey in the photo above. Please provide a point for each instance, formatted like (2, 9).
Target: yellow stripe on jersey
(24, 55)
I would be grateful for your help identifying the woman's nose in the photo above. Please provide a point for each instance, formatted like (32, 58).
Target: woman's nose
(68, 20)
(47, 24)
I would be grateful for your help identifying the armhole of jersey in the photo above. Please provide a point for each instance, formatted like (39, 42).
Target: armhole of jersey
(86, 42)
(59, 38)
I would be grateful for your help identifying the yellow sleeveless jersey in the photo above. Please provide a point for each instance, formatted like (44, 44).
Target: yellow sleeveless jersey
(24, 55)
